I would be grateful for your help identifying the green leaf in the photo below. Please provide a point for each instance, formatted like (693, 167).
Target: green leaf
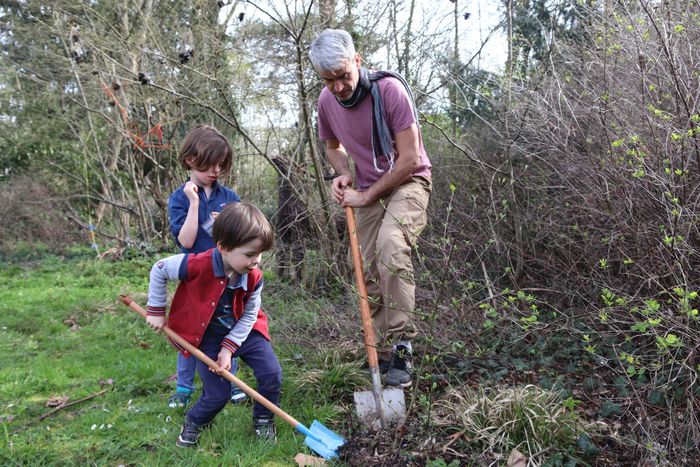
(610, 408)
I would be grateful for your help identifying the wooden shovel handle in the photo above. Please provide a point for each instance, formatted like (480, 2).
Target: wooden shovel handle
(255, 395)
(367, 327)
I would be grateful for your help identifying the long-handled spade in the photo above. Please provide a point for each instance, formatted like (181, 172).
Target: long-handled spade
(319, 438)
(385, 405)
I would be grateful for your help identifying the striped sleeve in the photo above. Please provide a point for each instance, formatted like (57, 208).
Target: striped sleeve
(244, 325)
(168, 269)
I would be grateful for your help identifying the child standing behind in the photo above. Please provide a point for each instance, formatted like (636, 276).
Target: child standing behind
(216, 308)
(192, 208)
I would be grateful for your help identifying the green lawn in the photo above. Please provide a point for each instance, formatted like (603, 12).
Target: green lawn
(64, 334)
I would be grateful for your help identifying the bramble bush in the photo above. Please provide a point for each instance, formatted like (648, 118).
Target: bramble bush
(577, 214)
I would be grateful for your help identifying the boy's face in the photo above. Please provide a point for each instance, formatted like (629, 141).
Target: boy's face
(244, 258)
(205, 177)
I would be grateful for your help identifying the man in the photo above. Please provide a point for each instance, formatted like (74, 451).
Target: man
(371, 118)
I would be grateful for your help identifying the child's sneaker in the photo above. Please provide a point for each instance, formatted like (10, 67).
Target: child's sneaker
(399, 374)
(179, 399)
(237, 396)
(265, 428)
(189, 435)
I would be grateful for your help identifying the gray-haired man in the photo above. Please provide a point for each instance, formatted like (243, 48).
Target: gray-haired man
(371, 118)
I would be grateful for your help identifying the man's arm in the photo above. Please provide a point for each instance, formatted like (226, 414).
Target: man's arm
(338, 159)
(406, 162)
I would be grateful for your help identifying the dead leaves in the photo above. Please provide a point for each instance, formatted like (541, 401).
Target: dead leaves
(304, 460)
(57, 401)
(72, 322)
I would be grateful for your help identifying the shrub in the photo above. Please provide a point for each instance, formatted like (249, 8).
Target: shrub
(534, 421)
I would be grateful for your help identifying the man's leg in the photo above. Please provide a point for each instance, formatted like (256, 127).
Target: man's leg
(404, 220)
(369, 220)
(387, 233)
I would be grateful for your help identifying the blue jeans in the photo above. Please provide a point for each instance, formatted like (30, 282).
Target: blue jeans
(186, 369)
(257, 353)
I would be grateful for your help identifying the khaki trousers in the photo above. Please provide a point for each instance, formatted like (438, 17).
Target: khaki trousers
(387, 231)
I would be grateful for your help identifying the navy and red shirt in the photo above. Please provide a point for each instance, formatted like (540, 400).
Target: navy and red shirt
(207, 296)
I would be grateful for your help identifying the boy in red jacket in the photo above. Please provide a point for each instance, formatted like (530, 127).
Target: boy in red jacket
(217, 308)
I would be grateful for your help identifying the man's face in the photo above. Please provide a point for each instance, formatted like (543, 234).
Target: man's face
(343, 81)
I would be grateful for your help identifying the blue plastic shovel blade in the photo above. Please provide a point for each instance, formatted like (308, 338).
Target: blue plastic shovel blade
(323, 441)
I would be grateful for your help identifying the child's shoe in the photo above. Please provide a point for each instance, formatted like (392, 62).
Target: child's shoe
(399, 374)
(189, 435)
(265, 428)
(179, 399)
(237, 396)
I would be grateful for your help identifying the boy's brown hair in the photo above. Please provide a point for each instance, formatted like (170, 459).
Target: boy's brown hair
(205, 146)
(240, 223)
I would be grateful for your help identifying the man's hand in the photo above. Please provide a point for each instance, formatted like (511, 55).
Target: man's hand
(155, 322)
(223, 360)
(339, 185)
(190, 190)
(353, 198)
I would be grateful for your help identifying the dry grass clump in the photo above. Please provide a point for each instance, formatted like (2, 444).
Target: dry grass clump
(532, 420)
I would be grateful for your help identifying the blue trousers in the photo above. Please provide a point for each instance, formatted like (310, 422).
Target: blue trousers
(186, 368)
(257, 353)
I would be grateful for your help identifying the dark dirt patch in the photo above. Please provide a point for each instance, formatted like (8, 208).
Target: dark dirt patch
(411, 444)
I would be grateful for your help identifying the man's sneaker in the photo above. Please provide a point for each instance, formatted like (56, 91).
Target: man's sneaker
(237, 396)
(399, 374)
(189, 435)
(384, 366)
(179, 399)
(265, 428)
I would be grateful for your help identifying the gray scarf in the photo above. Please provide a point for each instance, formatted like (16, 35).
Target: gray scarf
(382, 143)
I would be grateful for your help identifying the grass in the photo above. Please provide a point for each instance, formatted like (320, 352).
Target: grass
(535, 421)
(63, 334)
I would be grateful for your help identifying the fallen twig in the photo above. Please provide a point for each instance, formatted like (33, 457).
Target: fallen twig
(61, 407)
(453, 439)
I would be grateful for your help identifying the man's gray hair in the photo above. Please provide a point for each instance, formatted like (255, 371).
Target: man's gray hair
(331, 49)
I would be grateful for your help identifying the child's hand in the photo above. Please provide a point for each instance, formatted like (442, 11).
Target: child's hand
(156, 322)
(190, 190)
(223, 360)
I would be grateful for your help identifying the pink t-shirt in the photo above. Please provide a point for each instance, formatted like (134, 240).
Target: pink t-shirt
(353, 128)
